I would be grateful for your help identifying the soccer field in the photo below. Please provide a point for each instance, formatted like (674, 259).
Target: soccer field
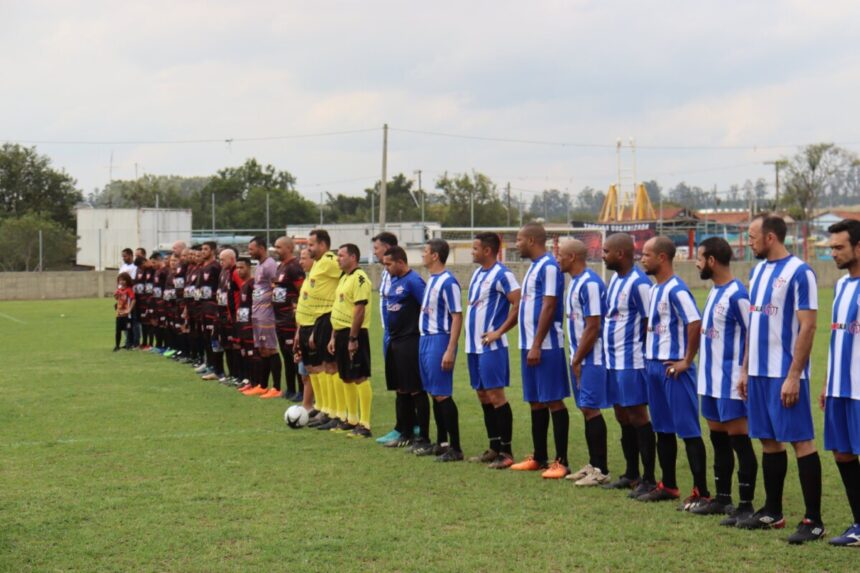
(129, 462)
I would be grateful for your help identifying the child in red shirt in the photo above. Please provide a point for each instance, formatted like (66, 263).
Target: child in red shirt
(124, 296)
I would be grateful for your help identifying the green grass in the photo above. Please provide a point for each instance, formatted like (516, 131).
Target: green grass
(128, 462)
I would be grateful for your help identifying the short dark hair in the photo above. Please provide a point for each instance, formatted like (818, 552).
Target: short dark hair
(322, 236)
(142, 250)
(850, 226)
(139, 261)
(387, 238)
(440, 247)
(246, 260)
(127, 251)
(718, 248)
(211, 244)
(490, 241)
(396, 254)
(352, 250)
(156, 256)
(773, 224)
(259, 241)
(195, 247)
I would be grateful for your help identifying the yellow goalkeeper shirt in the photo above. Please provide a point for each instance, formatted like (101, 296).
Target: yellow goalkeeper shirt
(317, 293)
(354, 288)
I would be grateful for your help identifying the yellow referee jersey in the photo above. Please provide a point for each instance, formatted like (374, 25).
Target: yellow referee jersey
(352, 288)
(317, 294)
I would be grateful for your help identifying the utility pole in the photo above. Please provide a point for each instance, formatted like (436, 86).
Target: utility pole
(508, 193)
(420, 192)
(383, 189)
(776, 165)
(522, 201)
(618, 182)
(267, 219)
(321, 209)
(213, 215)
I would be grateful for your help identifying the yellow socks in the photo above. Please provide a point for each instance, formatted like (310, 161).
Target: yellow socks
(320, 394)
(365, 399)
(337, 387)
(351, 402)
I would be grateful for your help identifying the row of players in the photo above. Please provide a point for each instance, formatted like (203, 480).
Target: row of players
(632, 347)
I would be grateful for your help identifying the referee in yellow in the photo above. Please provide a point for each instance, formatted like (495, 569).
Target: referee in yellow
(350, 343)
(313, 316)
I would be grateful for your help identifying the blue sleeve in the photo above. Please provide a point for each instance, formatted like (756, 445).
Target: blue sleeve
(416, 288)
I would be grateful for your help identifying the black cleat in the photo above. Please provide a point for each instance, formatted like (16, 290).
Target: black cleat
(711, 507)
(660, 493)
(622, 482)
(736, 515)
(641, 488)
(401, 442)
(762, 519)
(417, 445)
(488, 457)
(807, 530)
(450, 455)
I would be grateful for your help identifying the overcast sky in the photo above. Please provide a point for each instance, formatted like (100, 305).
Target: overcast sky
(738, 82)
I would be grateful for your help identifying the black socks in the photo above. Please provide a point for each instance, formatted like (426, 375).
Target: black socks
(540, 426)
(773, 468)
(667, 453)
(451, 419)
(747, 470)
(809, 470)
(697, 456)
(630, 447)
(439, 418)
(595, 438)
(850, 472)
(491, 423)
(560, 433)
(275, 368)
(422, 414)
(647, 449)
(505, 420)
(724, 465)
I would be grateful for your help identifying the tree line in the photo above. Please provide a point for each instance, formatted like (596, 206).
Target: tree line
(34, 195)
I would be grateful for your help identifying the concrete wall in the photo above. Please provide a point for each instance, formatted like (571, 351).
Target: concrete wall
(90, 284)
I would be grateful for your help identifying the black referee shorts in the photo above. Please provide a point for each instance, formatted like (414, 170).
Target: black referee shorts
(322, 334)
(402, 370)
(355, 366)
(310, 357)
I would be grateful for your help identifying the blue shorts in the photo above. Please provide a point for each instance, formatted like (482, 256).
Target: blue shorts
(593, 388)
(723, 409)
(842, 425)
(673, 402)
(489, 369)
(436, 381)
(627, 387)
(546, 382)
(770, 420)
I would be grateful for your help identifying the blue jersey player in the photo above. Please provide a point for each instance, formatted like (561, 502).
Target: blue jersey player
(840, 397)
(584, 307)
(493, 305)
(674, 324)
(725, 321)
(544, 370)
(775, 377)
(440, 324)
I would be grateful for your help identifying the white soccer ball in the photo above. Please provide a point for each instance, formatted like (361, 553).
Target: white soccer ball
(296, 417)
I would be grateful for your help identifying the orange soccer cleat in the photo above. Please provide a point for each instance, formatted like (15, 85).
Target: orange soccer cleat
(557, 470)
(271, 393)
(530, 464)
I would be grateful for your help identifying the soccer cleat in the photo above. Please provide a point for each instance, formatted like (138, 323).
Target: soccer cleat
(622, 482)
(318, 420)
(487, 457)
(389, 437)
(432, 450)
(807, 530)
(580, 473)
(641, 488)
(271, 393)
(530, 464)
(360, 432)
(736, 515)
(210, 376)
(712, 507)
(850, 538)
(595, 478)
(343, 427)
(450, 455)
(762, 519)
(116, 348)
(331, 424)
(502, 462)
(256, 391)
(691, 499)
(400, 442)
(201, 369)
(243, 387)
(557, 470)
(298, 398)
(168, 353)
(660, 493)
(417, 444)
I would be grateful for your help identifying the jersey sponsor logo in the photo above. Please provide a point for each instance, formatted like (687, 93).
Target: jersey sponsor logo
(851, 327)
(768, 309)
(663, 307)
(721, 309)
(313, 283)
(711, 333)
(394, 307)
(279, 294)
(779, 282)
(399, 290)
(659, 328)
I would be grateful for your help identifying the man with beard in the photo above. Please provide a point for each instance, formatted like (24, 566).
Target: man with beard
(775, 377)
(263, 319)
(288, 282)
(225, 299)
(243, 328)
(207, 286)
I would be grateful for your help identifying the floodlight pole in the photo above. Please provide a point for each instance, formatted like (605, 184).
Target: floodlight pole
(383, 189)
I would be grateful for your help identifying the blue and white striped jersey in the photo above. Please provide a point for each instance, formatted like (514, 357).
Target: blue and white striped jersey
(384, 287)
(627, 299)
(670, 310)
(543, 278)
(778, 289)
(586, 296)
(441, 298)
(724, 333)
(488, 306)
(843, 361)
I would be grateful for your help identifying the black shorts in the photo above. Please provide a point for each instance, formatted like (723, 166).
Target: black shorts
(322, 334)
(402, 370)
(309, 357)
(353, 367)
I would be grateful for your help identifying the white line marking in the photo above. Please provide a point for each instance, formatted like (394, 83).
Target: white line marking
(95, 440)
(12, 318)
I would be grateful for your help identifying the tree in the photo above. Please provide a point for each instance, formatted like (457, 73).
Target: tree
(551, 205)
(809, 175)
(173, 192)
(460, 190)
(19, 243)
(28, 184)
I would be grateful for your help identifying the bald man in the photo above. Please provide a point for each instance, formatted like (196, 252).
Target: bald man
(544, 369)
(287, 284)
(226, 299)
(672, 342)
(584, 306)
(624, 330)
